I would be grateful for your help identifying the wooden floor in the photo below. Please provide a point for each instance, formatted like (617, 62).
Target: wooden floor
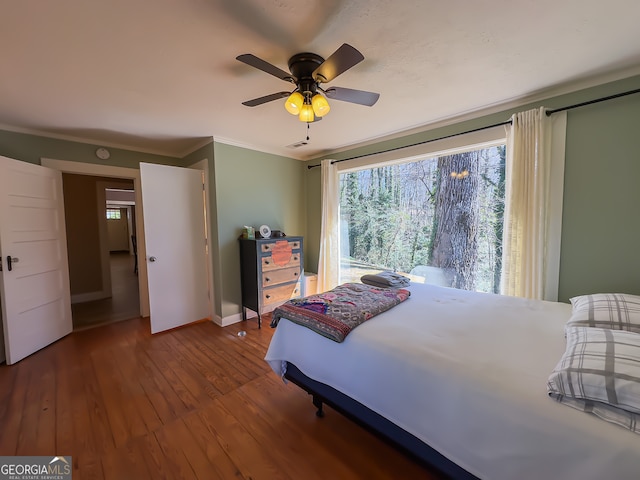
(124, 302)
(195, 403)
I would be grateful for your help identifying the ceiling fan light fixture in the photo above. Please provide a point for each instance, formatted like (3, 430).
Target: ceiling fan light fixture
(294, 103)
(320, 105)
(306, 113)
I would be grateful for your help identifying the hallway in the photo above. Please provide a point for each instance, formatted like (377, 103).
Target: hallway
(123, 304)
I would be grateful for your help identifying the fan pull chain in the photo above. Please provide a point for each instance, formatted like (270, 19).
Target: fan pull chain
(307, 131)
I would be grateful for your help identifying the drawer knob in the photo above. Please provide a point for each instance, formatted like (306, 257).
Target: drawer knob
(266, 262)
(267, 296)
(295, 274)
(267, 279)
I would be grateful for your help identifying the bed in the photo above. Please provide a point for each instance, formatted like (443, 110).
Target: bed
(459, 379)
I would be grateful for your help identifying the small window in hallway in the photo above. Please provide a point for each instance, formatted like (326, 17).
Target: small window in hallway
(113, 214)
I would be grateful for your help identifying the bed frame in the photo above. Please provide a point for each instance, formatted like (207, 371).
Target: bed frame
(375, 423)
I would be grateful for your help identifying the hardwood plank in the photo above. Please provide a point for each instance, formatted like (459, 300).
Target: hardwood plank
(87, 466)
(220, 463)
(97, 426)
(126, 462)
(157, 461)
(172, 452)
(173, 386)
(219, 376)
(194, 451)
(192, 378)
(210, 349)
(289, 448)
(296, 413)
(196, 403)
(132, 377)
(39, 409)
(123, 424)
(8, 377)
(64, 407)
(12, 418)
(252, 459)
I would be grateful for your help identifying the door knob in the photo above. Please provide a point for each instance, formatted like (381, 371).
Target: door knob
(10, 261)
(152, 259)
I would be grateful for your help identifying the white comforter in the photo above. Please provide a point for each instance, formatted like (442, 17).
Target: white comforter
(466, 373)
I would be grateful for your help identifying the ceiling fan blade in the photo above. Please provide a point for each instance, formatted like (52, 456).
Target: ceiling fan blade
(354, 96)
(260, 64)
(339, 62)
(268, 98)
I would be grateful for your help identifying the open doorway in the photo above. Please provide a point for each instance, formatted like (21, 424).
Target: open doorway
(102, 249)
(167, 187)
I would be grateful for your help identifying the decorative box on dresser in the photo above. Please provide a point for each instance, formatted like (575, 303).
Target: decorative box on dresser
(271, 271)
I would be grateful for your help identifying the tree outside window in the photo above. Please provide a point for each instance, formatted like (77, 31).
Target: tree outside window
(438, 220)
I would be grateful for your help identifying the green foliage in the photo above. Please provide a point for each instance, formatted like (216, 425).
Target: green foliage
(389, 217)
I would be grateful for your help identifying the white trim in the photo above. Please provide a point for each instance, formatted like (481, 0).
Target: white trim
(205, 141)
(261, 149)
(103, 237)
(116, 172)
(228, 320)
(499, 107)
(203, 165)
(481, 139)
(237, 317)
(94, 142)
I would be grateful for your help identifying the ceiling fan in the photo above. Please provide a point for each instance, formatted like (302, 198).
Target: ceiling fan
(308, 71)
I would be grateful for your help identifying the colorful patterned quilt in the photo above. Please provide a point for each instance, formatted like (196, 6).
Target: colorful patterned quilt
(335, 313)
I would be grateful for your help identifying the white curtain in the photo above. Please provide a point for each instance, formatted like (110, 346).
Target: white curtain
(329, 260)
(529, 217)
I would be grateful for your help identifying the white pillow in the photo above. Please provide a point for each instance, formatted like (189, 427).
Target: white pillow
(617, 311)
(599, 373)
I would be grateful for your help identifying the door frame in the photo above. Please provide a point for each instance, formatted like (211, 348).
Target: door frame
(204, 166)
(96, 170)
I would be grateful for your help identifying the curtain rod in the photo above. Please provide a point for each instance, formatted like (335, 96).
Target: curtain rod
(507, 122)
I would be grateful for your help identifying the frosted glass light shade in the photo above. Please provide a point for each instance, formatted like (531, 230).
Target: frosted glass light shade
(306, 113)
(320, 105)
(293, 104)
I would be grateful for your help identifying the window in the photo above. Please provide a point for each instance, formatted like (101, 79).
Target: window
(437, 219)
(113, 214)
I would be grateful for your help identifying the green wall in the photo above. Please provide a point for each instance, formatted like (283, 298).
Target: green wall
(601, 221)
(247, 187)
(253, 188)
(601, 225)
(30, 148)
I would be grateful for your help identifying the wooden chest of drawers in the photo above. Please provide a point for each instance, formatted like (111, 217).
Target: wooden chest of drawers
(271, 271)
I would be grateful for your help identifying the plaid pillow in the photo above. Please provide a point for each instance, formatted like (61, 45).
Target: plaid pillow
(617, 311)
(599, 373)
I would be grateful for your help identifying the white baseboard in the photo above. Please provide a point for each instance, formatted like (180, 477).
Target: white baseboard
(226, 321)
(237, 317)
(89, 296)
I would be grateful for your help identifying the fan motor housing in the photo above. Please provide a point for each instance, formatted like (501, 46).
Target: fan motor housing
(302, 66)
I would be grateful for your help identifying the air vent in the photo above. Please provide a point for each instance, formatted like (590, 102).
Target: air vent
(299, 144)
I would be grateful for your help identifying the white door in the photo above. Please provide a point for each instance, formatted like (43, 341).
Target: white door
(34, 282)
(176, 251)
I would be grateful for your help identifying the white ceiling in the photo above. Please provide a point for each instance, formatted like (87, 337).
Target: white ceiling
(160, 76)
